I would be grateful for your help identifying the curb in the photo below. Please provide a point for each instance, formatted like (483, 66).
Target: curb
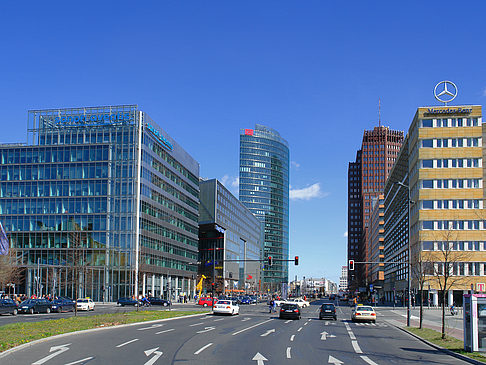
(35, 342)
(440, 348)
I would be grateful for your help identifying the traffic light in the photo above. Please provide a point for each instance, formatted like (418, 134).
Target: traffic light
(269, 260)
(351, 265)
(296, 260)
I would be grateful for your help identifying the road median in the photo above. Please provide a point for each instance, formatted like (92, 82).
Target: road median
(15, 334)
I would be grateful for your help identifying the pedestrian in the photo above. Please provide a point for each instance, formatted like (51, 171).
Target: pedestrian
(271, 304)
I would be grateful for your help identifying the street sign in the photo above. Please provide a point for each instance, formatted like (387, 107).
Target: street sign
(371, 287)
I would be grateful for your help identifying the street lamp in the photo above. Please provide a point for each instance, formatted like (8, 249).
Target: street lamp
(409, 284)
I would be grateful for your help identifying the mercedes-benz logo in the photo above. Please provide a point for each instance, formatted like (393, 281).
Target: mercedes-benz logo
(448, 91)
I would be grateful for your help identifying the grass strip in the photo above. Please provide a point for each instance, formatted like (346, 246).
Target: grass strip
(15, 334)
(449, 342)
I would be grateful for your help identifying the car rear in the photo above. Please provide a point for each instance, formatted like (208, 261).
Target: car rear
(223, 307)
(328, 310)
(364, 313)
(291, 311)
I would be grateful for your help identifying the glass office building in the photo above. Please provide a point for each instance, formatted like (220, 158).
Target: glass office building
(107, 192)
(228, 229)
(264, 189)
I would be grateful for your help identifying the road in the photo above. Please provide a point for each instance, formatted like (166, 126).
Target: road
(254, 337)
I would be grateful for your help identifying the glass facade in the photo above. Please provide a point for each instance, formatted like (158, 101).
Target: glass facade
(264, 189)
(105, 190)
(228, 229)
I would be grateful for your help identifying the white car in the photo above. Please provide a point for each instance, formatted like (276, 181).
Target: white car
(226, 307)
(85, 304)
(299, 301)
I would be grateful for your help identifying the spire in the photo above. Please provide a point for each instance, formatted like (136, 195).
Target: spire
(379, 112)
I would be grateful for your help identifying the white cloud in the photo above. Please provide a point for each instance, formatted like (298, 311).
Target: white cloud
(294, 164)
(345, 234)
(310, 192)
(232, 183)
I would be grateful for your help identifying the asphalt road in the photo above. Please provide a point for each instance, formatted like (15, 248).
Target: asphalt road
(253, 337)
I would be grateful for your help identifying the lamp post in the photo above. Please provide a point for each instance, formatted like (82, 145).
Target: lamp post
(409, 283)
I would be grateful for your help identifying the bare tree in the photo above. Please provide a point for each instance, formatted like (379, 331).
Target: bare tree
(420, 277)
(10, 269)
(445, 266)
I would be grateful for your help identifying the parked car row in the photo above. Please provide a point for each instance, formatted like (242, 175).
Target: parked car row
(130, 301)
(32, 306)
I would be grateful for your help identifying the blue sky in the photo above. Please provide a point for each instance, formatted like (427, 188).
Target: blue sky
(313, 70)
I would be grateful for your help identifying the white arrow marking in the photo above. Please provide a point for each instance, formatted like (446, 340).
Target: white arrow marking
(60, 349)
(155, 358)
(259, 358)
(323, 335)
(152, 326)
(206, 329)
(333, 360)
(246, 319)
(267, 333)
(80, 361)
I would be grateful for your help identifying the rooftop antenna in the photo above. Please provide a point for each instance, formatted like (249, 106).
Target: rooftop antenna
(379, 112)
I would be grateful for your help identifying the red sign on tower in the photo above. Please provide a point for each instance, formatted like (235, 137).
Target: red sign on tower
(249, 132)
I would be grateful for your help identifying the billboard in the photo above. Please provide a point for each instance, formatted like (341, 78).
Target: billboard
(4, 244)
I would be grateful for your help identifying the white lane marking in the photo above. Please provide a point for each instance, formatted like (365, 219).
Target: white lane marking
(59, 350)
(216, 320)
(126, 343)
(300, 329)
(267, 333)
(326, 323)
(206, 329)
(347, 326)
(248, 328)
(196, 324)
(202, 349)
(368, 360)
(288, 321)
(305, 324)
(80, 361)
(155, 358)
(245, 319)
(149, 328)
(356, 347)
(288, 353)
(164, 331)
(351, 335)
(292, 338)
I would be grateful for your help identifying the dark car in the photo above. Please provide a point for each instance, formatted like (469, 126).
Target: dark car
(328, 310)
(245, 300)
(35, 306)
(62, 304)
(291, 311)
(8, 306)
(127, 301)
(159, 301)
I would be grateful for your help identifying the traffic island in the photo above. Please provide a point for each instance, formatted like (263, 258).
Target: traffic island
(16, 334)
(451, 345)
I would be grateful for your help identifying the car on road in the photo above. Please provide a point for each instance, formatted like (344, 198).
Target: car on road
(230, 307)
(159, 301)
(8, 306)
(127, 301)
(289, 310)
(363, 313)
(300, 302)
(62, 304)
(246, 300)
(35, 306)
(85, 304)
(206, 301)
(328, 310)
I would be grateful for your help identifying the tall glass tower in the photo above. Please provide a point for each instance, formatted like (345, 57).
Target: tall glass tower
(264, 189)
